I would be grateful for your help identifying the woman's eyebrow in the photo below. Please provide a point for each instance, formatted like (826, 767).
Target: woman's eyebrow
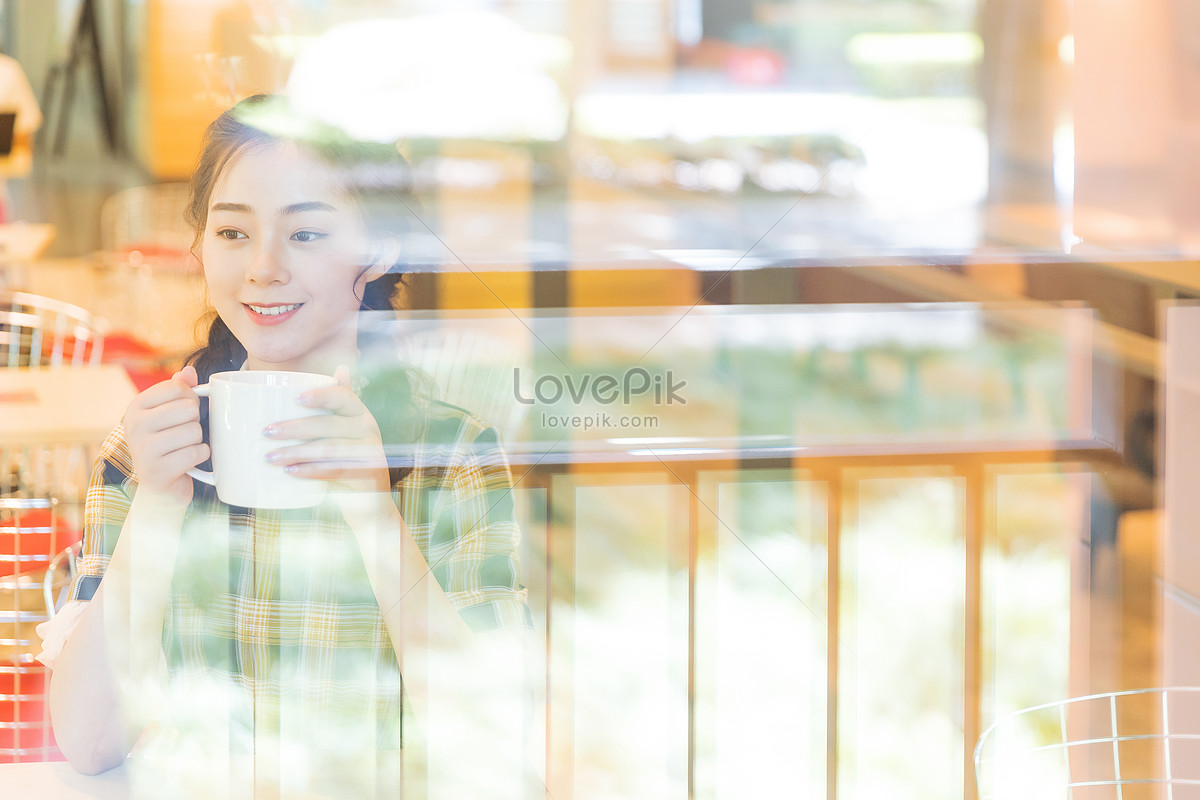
(312, 205)
(294, 208)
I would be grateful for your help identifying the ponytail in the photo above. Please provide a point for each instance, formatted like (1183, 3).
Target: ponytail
(221, 352)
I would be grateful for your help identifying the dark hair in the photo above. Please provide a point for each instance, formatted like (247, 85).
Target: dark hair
(375, 175)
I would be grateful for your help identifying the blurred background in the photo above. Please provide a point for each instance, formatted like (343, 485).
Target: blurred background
(911, 258)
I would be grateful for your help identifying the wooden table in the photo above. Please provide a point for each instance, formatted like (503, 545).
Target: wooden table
(57, 780)
(63, 405)
(187, 776)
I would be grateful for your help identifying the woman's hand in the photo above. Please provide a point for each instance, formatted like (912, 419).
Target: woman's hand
(344, 446)
(162, 427)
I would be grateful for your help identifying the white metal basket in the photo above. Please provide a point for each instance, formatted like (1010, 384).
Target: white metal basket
(1125, 745)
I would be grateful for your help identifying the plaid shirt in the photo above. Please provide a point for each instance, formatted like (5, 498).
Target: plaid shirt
(271, 626)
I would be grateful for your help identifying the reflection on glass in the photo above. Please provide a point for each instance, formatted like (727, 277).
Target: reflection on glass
(884, 130)
(901, 650)
(532, 505)
(756, 376)
(1027, 613)
(1027, 576)
(630, 637)
(761, 637)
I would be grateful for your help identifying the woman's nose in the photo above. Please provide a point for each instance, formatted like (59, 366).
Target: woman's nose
(267, 266)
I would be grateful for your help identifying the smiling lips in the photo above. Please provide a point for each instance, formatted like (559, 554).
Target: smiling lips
(271, 313)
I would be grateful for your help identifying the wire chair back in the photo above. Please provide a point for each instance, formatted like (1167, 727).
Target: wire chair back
(38, 331)
(144, 226)
(59, 575)
(62, 470)
(29, 541)
(1126, 745)
(20, 337)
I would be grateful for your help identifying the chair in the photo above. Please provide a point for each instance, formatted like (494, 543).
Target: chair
(29, 540)
(144, 227)
(20, 338)
(63, 470)
(59, 575)
(1120, 745)
(38, 331)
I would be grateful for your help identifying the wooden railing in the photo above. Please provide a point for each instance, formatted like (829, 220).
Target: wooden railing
(676, 491)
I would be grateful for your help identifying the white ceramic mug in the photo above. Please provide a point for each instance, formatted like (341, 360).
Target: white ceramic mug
(241, 405)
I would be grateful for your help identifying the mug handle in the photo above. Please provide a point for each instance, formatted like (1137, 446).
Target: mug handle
(199, 474)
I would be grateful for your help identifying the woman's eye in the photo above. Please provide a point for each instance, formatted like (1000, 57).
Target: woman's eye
(231, 234)
(308, 236)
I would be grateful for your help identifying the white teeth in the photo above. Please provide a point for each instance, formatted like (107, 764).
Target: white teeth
(272, 311)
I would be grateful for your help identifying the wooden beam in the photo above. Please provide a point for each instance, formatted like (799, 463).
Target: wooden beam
(1137, 353)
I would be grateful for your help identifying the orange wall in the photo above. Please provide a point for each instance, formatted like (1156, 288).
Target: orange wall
(177, 102)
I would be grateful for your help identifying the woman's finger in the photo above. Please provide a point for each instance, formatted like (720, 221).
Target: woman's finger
(168, 415)
(352, 466)
(180, 461)
(323, 426)
(179, 386)
(350, 474)
(331, 452)
(169, 440)
(338, 399)
(188, 376)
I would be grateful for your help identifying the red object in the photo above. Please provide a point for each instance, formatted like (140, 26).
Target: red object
(25, 731)
(144, 379)
(156, 250)
(159, 255)
(46, 544)
(68, 350)
(141, 361)
(755, 66)
(119, 345)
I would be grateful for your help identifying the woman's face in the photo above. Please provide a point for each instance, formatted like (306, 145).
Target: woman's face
(284, 250)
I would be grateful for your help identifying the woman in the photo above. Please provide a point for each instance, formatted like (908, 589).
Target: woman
(288, 631)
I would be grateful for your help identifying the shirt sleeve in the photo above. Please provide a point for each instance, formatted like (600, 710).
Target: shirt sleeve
(462, 513)
(55, 632)
(110, 493)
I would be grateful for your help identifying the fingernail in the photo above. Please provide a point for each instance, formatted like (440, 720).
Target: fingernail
(271, 430)
(291, 469)
(274, 456)
(303, 399)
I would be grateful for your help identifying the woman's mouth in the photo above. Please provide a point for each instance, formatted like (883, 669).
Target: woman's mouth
(271, 313)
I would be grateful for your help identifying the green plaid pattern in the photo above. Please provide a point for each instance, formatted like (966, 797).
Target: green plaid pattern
(271, 605)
